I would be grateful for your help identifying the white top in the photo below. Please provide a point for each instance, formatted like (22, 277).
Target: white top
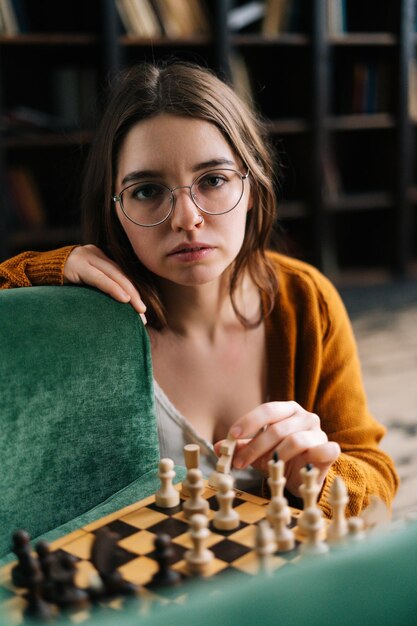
(174, 432)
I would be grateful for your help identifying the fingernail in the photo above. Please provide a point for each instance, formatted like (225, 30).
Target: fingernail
(236, 431)
(238, 463)
(143, 318)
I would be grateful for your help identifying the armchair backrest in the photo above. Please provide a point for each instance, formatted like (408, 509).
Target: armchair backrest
(76, 405)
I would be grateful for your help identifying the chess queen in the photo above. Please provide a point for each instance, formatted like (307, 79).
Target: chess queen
(179, 205)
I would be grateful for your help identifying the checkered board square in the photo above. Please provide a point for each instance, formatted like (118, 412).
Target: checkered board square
(138, 525)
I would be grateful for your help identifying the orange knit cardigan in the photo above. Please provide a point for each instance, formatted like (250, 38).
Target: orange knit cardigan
(312, 359)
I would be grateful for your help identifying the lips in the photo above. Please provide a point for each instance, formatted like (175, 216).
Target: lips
(184, 248)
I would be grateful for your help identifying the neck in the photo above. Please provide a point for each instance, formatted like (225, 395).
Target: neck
(207, 309)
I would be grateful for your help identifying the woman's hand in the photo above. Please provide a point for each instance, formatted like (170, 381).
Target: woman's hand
(284, 427)
(88, 265)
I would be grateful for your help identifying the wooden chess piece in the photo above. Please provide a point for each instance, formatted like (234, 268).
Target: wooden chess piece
(192, 461)
(226, 518)
(280, 516)
(167, 497)
(66, 593)
(165, 576)
(265, 546)
(198, 559)
(104, 558)
(195, 503)
(314, 528)
(338, 499)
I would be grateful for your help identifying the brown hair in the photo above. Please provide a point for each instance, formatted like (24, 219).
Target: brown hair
(188, 90)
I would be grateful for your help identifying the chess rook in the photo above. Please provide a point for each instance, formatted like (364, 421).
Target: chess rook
(167, 497)
(192, 461)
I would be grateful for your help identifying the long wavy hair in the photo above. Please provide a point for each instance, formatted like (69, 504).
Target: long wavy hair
(186, 90)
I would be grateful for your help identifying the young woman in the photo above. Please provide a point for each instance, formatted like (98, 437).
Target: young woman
(179, 204)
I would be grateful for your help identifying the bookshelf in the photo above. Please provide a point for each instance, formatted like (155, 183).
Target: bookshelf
(333, 79)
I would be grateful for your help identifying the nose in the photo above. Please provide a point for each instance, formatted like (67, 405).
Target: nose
(185, 214)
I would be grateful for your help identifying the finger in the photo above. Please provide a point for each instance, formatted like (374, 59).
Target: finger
(324, 454)
(274, 434)
(126, 287)
(300, 443)
(262, 416)
(240, 443)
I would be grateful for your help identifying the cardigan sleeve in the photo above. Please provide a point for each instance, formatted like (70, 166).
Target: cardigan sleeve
(342, 406)
(29, 269)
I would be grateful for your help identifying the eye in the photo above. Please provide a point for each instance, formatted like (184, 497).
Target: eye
(146, 191)
(212, 180)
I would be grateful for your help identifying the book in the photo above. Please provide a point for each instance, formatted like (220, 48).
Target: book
(182, 18)
(276, 18)
(26, 197)
(245, 15)
(138, 18)
(8, 18)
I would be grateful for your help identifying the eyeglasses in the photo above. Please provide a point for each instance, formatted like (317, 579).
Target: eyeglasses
(215, 192)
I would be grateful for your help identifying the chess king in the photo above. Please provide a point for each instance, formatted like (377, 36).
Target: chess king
(247, 343)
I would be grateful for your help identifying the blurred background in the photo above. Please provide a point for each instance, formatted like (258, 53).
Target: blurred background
(336, 82)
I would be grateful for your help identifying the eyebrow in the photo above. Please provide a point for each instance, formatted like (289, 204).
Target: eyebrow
(147, 174)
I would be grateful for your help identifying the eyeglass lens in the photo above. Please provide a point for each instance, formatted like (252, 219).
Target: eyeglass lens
(216, 192)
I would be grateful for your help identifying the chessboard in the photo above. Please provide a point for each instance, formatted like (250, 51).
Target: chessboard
(137, 527)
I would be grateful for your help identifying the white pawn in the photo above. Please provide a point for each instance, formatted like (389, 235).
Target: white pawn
(314, 526)
(198, 559)
(167, 496)
(226, 518)
(265, 545)
(280, 516)
(338, 499)
(356, 529)
(195, 486)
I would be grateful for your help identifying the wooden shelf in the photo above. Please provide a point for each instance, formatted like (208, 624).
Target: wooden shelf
(288, 126)
(46, 140)
(359, 202)
(292, 210)
(283, 39)
(360, 122)
(45, 237)
(162, 41)
(363, 39)
(49, 39)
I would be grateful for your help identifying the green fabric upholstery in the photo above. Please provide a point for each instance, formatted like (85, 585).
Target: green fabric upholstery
(77, 420)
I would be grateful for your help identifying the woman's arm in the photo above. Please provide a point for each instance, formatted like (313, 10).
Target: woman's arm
(80, 265)
(29, 269)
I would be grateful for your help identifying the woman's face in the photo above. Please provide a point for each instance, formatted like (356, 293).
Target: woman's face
(174, 151)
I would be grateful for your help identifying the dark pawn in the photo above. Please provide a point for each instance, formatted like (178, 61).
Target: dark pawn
(22, 571)
(104, 557)
(65, 592)
(165, 576)
(28, 574)
(48, 563)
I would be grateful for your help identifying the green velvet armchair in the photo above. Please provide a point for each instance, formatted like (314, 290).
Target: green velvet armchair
(77, 427)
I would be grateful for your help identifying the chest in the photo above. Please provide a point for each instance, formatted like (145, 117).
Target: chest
(212, 385)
